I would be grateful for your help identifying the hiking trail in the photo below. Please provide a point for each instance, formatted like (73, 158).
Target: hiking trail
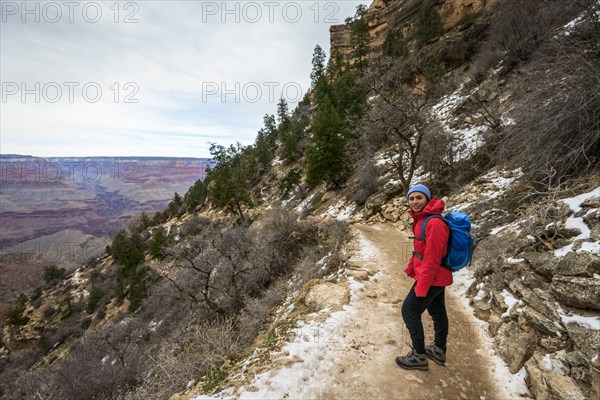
(350, 354)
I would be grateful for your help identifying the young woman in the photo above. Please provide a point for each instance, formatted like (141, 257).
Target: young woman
(427, 293)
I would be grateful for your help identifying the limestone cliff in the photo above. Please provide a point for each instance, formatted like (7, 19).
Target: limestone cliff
(399, 16)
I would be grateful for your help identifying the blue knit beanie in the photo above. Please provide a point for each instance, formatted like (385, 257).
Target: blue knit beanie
(419, 188)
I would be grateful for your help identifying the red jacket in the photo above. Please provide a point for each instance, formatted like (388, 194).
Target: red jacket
(428, 271)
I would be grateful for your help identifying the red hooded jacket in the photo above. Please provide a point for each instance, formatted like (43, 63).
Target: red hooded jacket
(428, 271)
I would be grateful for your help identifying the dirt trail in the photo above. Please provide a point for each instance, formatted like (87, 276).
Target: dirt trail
(377, 335)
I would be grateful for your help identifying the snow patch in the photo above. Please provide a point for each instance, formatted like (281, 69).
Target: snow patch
(302, 206)
(470, 138)
(347, 212)
(590, 247)
(367, 250)
(574, 203)
(511, 301)
(592, 323)
(547, 362)
(578, 224)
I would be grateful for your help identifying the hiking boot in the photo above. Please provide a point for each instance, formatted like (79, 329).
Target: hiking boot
(436, 354)
(413, 360)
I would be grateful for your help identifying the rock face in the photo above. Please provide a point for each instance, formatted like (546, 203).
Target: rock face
(453, 11)
(398, 16)
(543, 307)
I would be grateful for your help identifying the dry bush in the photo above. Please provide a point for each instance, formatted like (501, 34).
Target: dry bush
(519, 27)
(557, 132)
(333, 235)
(189, 356)
(193, 226)
(439, 152)
(253, 318)
(89, 372)
(367, 175)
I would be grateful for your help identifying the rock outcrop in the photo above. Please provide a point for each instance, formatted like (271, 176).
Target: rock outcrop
(539, 290)
(399, 16)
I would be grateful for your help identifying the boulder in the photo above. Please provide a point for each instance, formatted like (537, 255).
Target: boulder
(534, 280)
(327, 196)
(538, 385)
(579, 264)
(391, 214)
(543, 263)
(375, 203)
(538, 299)
(595, 377)
(591, 203)
(564, 387)
(361, 275)
(515, 345)
(327, 295)
(577, 292)
(551, 375)
(580, 367)
(586, 340)
(541, 323)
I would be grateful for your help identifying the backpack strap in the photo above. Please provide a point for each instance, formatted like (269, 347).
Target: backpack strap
(422, 238)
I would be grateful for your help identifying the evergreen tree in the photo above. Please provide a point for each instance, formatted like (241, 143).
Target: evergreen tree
(359, 37)
(195, 196)
(228, 180)
(263, 150)
(428, 25)
(394, 45)
(270, 130)
(144, 220)
(318, 67)
(326, 156)
(282, 112)
(290, 180)
(158, 243)
(290, 139)
(349, 96)
(129, 251)
(174, 207)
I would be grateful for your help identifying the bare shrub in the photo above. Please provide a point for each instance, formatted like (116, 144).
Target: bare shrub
(333, 234)
(193, 226)
(438, 154)
(367, 175)
(186, 359)
(521, 26)
(557, 133)
(253, 318)
(401, 118)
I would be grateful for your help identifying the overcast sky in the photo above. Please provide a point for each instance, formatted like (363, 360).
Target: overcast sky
(152, 78)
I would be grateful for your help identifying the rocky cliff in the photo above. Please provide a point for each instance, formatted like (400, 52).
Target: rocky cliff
(399, 16)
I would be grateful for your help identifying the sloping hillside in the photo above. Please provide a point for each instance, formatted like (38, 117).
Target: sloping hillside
(281, 274)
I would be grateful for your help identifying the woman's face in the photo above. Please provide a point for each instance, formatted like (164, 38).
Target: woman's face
(417, 201)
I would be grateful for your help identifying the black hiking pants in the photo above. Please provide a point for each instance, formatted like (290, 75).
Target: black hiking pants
(414, 306)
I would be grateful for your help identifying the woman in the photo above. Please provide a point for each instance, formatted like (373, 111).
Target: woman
(427, 293)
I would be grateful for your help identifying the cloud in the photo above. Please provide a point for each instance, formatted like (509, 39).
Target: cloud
(184, 74)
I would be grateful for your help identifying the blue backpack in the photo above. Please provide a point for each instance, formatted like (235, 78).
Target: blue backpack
(460, 242)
